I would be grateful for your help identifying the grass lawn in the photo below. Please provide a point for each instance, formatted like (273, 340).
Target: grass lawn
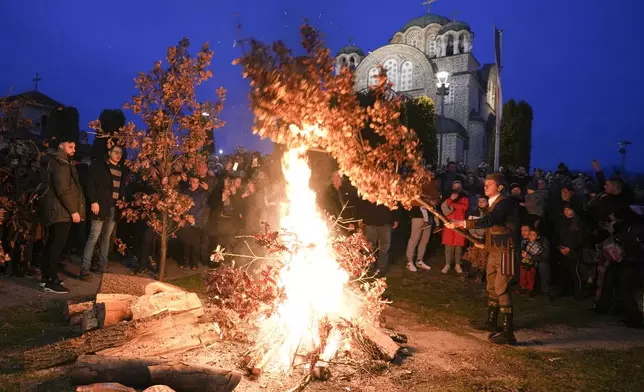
(441, 303)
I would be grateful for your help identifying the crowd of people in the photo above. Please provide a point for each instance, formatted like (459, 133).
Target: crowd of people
(73, 210)
(580, 235)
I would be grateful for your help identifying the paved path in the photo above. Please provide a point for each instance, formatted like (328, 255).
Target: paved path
(17, 292)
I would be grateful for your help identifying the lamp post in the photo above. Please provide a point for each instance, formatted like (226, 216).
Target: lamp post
(443, 90)
(622, 150)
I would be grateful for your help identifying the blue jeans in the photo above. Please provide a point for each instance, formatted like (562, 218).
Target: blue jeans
(98, 229)
(380, 236)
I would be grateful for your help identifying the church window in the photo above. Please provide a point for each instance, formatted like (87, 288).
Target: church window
(452, 92)
(413, 38)
(449, 51)
(461, 44)
(373, 76)
(391, 66)
(431, 50)
(406, 76)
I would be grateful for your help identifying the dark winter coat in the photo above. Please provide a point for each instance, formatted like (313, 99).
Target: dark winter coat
(535, 203)
(571, 234)
(341, 201)
(199, 207)
(64, 195)
(99, 188)
(376, 215)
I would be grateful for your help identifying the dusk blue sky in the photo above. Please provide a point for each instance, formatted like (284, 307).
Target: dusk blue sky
(577, 62)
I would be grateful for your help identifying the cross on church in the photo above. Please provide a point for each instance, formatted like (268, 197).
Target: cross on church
(428, 3)
(351, 37)
(36, 80)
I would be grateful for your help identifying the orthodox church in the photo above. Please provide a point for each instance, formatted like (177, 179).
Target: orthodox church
(423, 47)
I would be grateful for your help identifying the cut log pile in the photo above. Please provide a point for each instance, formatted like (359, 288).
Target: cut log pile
(124, 335)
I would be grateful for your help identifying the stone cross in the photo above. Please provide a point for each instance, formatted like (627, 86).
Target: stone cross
(428, 3)
(36, 80)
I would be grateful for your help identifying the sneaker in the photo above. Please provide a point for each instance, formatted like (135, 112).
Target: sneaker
(445, 269)
(411, 267)
(85, 275)
(54, 287)
(422, 265)
(458, 269)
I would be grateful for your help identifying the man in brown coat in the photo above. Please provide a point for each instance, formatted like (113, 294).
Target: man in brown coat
(501, 226)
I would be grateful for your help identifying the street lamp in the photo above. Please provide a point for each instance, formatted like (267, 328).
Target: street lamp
(221, 151)
(443, 90)
(622, 150)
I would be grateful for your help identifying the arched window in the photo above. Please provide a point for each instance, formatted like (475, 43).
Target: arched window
(391, 66)
(406, 76)
(461, 43)
(352, 62)
(431, 47)
(449, 50)
(373, 76)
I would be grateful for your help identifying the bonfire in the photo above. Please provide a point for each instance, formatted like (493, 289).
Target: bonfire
(313, 296)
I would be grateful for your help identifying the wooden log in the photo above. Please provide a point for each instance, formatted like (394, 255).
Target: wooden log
(123, 284)
(70, 349)
(113, 308)
(161, 287)
(104, 387)
(149, 305)
(141, 373)
(74, 307)
(90, 369)
(375, 342)
(159, 388)
(195, 378)
(170, 341)
(88, 321)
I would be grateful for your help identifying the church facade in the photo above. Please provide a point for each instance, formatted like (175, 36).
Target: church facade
(415, 54)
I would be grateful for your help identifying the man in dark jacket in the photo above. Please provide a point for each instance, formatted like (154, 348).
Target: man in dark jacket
(63, 204)
(340, 200)
(378, 222)
(190, 234)
(105, 183)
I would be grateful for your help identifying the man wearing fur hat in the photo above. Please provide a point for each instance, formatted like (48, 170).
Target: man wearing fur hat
(63, 202)
(501, 226)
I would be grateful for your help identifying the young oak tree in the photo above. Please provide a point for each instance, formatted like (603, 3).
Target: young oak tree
(172, 140)
(17, 158)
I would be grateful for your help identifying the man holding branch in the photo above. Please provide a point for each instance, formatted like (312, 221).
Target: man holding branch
(501, 226)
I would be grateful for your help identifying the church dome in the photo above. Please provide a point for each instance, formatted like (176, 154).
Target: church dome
(455, 26)
(425, 20)
(349, 49)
